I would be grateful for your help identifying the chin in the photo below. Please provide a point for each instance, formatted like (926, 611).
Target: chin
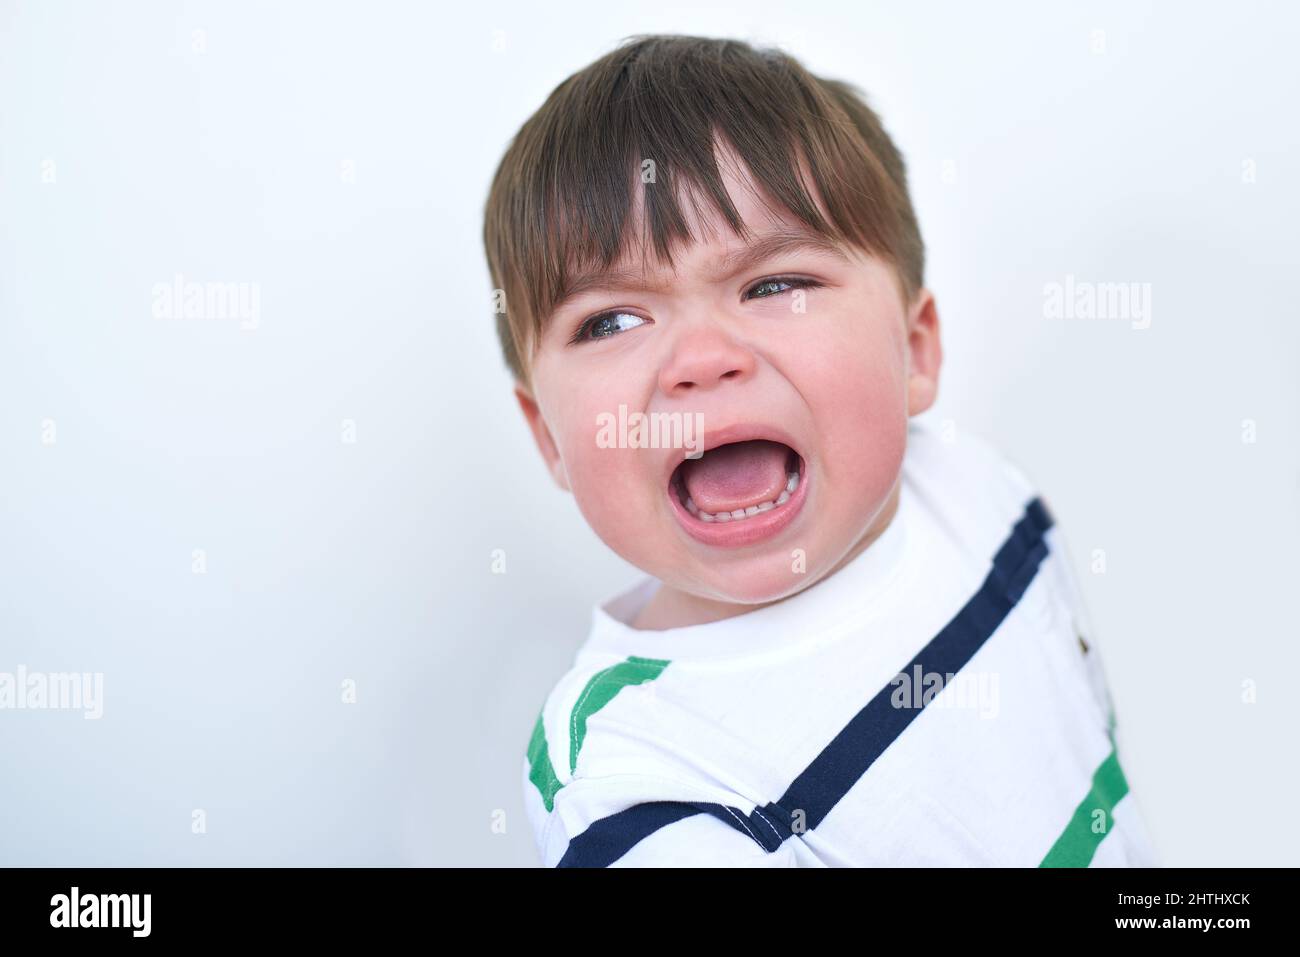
(774, 580)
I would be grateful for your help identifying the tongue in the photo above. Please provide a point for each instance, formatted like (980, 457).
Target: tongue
(737, 475)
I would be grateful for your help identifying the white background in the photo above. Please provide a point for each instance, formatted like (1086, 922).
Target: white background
(223, 155)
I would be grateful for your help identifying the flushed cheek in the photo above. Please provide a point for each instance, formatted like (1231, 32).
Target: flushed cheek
(874, 457)
(863, 427)
(861, 461)
(613, 490)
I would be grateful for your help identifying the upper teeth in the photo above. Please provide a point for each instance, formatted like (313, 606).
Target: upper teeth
(792, 483)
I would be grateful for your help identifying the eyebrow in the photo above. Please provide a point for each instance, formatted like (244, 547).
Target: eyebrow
(769, 245)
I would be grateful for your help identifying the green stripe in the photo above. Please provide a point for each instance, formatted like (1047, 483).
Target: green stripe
(540, 771)
(1079, 841)
(600, 691)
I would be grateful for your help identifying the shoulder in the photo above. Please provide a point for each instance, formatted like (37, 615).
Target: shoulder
(984, 499)
(586, 689)
(622, 806)
(966, 485)
(598, 695)
(611, 776)
(960, 459)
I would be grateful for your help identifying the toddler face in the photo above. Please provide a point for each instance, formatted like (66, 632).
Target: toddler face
(802, 366)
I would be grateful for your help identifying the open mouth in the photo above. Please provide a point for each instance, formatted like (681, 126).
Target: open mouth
(739, 492)
(732, 497)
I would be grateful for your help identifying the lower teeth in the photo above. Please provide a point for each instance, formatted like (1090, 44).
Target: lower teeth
(740, 514)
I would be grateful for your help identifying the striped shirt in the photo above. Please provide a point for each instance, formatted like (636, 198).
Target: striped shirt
(938, 701)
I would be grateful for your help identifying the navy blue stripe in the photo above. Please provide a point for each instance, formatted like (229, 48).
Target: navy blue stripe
(608, 839)
(873, 729)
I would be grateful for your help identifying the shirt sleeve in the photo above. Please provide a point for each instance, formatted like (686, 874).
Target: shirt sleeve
(621, 821)
(701, 840)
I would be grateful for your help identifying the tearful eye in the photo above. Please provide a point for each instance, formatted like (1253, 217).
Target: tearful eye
(772, 284)
(607, 324)
(766, 284)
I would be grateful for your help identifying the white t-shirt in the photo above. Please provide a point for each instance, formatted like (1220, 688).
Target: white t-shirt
(931, 703)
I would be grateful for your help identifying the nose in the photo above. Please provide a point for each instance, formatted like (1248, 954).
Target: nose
(703, 358)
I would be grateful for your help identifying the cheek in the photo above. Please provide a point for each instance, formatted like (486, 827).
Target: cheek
(608, 482)
(867, 432)
(611, 490)
(859, 398)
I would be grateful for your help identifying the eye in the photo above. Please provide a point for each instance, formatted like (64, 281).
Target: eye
(607, 324)
(792, 282)
(604, 325)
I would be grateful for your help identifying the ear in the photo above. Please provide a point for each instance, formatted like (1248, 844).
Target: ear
(542, 435)
(925, 354)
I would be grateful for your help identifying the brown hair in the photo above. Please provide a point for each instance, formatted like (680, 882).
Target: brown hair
(563, 193)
